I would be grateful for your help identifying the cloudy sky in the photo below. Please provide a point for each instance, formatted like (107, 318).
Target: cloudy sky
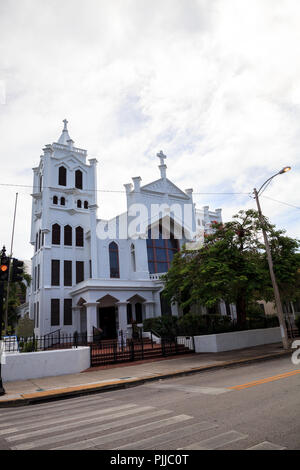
(215, 84)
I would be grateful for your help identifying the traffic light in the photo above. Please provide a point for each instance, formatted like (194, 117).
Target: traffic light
(17, 270)
(4, 268)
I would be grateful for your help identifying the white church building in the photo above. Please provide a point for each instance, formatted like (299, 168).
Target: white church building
(88, 272)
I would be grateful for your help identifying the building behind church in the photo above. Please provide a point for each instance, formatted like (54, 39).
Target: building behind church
(87, 272)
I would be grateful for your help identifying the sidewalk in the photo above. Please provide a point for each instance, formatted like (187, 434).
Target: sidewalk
(130, 374)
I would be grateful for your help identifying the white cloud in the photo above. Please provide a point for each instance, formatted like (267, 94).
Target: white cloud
(214, 83)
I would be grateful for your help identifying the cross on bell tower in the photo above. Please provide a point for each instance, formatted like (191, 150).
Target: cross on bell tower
(163, 167)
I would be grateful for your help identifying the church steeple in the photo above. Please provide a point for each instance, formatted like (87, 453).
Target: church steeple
(65, 138)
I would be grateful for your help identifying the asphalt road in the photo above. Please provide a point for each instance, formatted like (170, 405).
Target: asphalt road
(252, 406)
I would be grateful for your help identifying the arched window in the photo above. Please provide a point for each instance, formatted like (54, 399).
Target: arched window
(114, 260)
(68, 235)
(79, 236)
(55, 199)
(62, 176)
(79, 204)
(56, 234)
(161, 251)
(41, 183)
(133, 262)
(62, 201)
(86, 204)
(78, 179)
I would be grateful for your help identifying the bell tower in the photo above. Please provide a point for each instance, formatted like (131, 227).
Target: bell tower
(64, 203)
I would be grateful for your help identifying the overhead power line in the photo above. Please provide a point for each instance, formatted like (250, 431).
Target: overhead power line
(111, 190)
(281, 202)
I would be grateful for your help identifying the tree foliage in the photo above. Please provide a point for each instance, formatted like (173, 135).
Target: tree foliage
(232, 266)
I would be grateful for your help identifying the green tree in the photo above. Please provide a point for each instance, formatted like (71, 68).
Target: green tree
(232, 266)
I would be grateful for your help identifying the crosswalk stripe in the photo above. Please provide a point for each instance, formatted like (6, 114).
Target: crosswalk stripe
(85, 421)
(266, 446)
(124, 433)
(64, 420)
(35, 409)
(39, 421)
(217, 441)
(162, 439)
(93, 429)
(191, 389)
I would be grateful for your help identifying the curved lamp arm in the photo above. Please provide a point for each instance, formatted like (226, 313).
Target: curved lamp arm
(284, 170)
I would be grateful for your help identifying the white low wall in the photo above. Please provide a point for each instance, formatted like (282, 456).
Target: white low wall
(22, 366)
(236, 340)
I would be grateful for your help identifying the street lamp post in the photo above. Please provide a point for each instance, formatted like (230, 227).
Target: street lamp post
(278, 304)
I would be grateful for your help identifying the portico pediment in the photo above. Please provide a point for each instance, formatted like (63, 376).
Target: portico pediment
(164, 186)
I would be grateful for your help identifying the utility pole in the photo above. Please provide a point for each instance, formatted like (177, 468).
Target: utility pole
(278, 304)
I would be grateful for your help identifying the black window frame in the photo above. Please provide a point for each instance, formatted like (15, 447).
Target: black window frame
(55, 312)
(62, 176)
(68, 313)
(67, 273)
(55, 272)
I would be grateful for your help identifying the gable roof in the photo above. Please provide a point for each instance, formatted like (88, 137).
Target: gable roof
(164, 186)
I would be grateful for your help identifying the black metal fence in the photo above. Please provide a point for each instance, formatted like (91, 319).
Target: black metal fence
(50, 341)
(112, 352)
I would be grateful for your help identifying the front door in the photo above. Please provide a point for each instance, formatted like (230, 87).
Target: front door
(107, 322)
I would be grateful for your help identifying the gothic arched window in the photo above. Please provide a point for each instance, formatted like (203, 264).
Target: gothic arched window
(62, 176)
(79, 236)
(161, 251)
(114, 260)
(86, 204)
(55, 199)
(79, 204)
(56, 234)
(62, 201)
(78, 179)
(68, 235)
(132, 253)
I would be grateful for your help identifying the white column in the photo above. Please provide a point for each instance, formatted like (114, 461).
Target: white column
(94, 254)
(91, 318)
(122, 317)
(157, 310)
(149, 309)
(76, 318)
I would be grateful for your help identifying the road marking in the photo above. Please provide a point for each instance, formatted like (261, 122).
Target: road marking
(192, 389)
(129, 432)
(41, 422)
(162, 439)
(36, 409)
(215, 442)
(266, 446)
(90, 430)
(84, 422)
(266, 380)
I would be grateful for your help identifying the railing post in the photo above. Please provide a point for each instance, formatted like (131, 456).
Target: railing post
(163, 347)
(115, 345)
(132, 350)
(142, 342)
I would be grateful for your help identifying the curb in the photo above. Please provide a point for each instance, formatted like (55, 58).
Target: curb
(81, 390)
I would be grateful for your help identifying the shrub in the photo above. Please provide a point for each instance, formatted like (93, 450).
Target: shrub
(165, 326)
(192, 324)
